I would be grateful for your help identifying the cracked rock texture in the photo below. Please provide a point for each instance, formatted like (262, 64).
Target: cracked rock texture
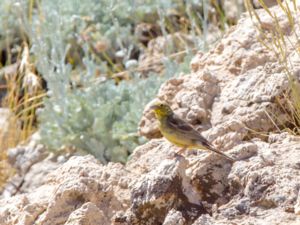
(156, 187)
(233, 88)
(227, 95)
(32, 164)
(77, 191)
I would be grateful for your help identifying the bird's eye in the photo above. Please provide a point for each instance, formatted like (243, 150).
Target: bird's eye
(161, 105)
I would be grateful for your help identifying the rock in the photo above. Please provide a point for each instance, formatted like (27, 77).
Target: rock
(156, 187)
(161, 190)
(88, 213)
(266, 183)
(193, 99)
(297, 205)
(31, 163)
(75, 191)
(23, 157)
(174, 218)
(210, 177)
(234, 89)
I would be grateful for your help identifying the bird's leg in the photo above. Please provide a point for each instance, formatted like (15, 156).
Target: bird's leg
(180, 151)
(178, 154)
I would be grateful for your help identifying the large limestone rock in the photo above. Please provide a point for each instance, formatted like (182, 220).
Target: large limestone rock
(157, 188)
(32, 163)
(234, 89)
(77, 191)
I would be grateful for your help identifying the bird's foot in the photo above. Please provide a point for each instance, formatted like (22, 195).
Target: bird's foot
(174, 155)
(180, 151)
(177, 154)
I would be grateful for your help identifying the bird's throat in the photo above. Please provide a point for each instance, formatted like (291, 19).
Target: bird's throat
(160, 115)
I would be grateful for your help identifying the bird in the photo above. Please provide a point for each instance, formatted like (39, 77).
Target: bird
(179, 132)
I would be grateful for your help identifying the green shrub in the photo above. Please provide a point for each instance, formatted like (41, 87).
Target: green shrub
(101, 119)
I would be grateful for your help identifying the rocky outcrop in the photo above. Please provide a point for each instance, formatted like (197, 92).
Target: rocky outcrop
(234, 89)
(230, 93)
(156, 187)
(32, 163)
(77, 191)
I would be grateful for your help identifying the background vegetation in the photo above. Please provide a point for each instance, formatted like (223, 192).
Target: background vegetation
(81, 72)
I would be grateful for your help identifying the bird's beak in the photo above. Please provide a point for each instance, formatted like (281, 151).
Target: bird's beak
(153, 107)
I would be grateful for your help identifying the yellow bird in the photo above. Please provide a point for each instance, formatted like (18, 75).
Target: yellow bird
(179, 132)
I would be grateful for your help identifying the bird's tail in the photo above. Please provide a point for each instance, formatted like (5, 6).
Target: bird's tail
(221, 153)
(208, 146)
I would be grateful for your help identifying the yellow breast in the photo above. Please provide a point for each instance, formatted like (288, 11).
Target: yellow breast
(177, 139)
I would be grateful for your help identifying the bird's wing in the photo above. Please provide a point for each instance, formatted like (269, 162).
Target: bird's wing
(184, 128)
(190, 133)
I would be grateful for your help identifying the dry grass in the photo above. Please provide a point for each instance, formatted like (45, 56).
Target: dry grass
(8, 139)
(24, 96)
(276, 41)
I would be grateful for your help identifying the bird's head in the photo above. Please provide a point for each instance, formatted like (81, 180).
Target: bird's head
(161, 109)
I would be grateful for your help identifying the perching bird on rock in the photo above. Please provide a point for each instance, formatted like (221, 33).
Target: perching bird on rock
(179, 132)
